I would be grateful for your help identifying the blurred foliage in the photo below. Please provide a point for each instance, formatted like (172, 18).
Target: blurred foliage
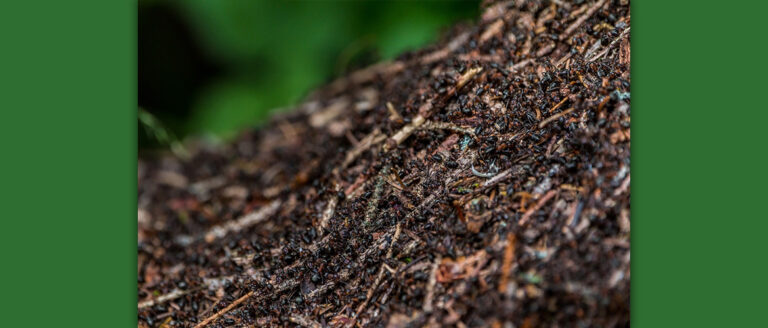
(213, 67)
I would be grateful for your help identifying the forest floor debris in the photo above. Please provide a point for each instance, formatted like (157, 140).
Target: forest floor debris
(478, 182)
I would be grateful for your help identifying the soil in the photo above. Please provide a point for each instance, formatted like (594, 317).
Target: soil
(482, 181)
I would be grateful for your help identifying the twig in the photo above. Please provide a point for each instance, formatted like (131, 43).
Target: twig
(393, 114)
(431, 125)
(592, 49)
(346, 272)
(373, 203)
(323, 117)
(386, 294)
(210, 283)
(536, 207)
(379, 276)
(467, 76)
(313, 248)
(213, 305)
(426, 108)
(492, 30)
(329, 210)
(327, 286)
(286, 285)
(224, 310)
(520, 65)
(545, 50)
(426, 203)
(559, 104)
(366, 74)
(500, 177)
(498, 9)
(509, 256)
(563, 59)
(554, 117)
(581, 20)
(304, 321)
(444, 52)
(371, 139)
(176, 293)
(401, 186)
(623, 187)
(406, 131)
(428, 299)
(243, 222)
(613, 43)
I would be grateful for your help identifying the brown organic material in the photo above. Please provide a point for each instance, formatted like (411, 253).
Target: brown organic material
(478, 182)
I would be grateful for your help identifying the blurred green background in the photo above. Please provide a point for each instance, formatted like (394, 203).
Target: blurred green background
(213, 67)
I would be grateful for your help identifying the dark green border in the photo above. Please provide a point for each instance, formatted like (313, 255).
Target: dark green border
(698, 164)
(68, 154)
(68, 173)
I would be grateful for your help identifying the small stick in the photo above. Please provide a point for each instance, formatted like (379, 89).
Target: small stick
(386, 294)
(366, 74)
(444, 52)
(371, 290)
(500, 177)
(373, 138)
(577, 12)
(287, 285)
(545, 50)
(559, 104)
(304, 321)
(431, 125)
(467, 76)
(176, 293)
(379, 276)
(400, 182)
(431, 285)
(509, 256)
(554, 117)
(623, 187)
(346, 273)
(224, 310)
(393, 114)
(562, 60)
(243, 222)
(581, 20)
(246, 221)
(492, 30)
(592, 49)
(325, 116)
(373, 203)
(212, 306)
(520, 65)
(211, 283)
(536, 207)
(613, 43)
(329, 210)
(406, 131)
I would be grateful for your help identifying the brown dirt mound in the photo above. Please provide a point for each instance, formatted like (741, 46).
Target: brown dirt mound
(483, 181)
